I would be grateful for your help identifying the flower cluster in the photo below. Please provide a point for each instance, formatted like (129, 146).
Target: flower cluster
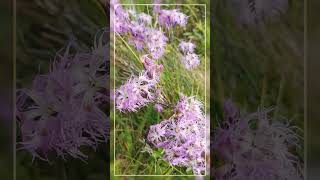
(62, 111)
(139, 31)
(253, 147)
(119, 18)
(171, 18)
(182, 136)
(189, 59)
(140, 90)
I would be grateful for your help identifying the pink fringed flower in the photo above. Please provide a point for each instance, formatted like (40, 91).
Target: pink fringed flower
(171, 18)
(141, 35)
(135, 93)
(139, 91)
(153, 70)
(183, 136)
(138, 35)
(190, 60)
(156, 43)
(60, 113)
(186, 47)
(119, 18)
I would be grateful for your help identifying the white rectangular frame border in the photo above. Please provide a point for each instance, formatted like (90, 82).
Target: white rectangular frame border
(205, 87)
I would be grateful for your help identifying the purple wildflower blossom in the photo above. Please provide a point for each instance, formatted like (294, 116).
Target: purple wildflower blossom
(60, 112)
(139, 91)
(190, 60)
(171, 18)
(260, 152)
(158, 107)
(186, 47)
(156, 7)
(144, 18)
(119, 18)
(135, 93)
(138, 35)
(156, 42)
(182, 136)
(153, 70)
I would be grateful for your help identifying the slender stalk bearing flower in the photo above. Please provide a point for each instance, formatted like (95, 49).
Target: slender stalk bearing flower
(182, 136)
(254, 147)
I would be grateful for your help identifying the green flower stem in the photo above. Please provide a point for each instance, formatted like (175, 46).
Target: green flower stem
(128, 46)
(61, 174)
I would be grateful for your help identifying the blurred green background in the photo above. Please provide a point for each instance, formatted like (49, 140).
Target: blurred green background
(260, 65)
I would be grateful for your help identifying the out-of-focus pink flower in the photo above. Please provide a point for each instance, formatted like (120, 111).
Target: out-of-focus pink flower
(61, 112)
(254, 147)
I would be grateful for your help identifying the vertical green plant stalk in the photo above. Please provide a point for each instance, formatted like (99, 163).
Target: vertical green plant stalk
(131, 50)
(61, 170)
(279, 97)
